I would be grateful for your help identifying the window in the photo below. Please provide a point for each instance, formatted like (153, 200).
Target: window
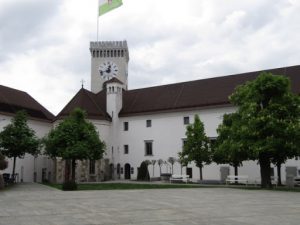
(132, 170)
(148, 148)
(186, 120)
(183, 142)
(92, 166)
(148, 123)
(126, 149)
(125, 126)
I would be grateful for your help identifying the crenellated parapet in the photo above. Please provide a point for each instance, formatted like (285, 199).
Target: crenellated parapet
(109, 49)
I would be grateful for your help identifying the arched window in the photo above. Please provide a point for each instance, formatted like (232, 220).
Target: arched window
(113, 89)
(94, 54)
(118, 53)
(122, 53)
(107, 53)
(115, 53)
(100, 53)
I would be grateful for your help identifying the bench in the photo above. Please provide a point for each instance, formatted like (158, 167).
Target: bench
(182, 178)
(297, 181)
(231, 179)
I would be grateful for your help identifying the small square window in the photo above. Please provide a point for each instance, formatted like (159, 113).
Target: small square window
(186, 120)
(126, 149)
(148, 123)
(126, 126)
(148, 148)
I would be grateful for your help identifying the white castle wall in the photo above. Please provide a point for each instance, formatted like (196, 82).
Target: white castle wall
(27, 166)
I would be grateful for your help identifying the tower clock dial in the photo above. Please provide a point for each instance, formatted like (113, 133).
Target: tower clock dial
(108, 70)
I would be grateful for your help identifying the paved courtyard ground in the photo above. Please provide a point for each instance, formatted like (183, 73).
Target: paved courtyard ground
(33, 204)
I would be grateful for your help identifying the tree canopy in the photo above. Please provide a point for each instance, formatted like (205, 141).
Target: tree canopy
(196, 148)
(74, 138)
(228, 148)
(17, 139)
(268, 119)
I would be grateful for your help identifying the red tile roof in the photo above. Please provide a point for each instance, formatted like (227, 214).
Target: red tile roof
(12, 100)
(194, 94)
(93, 104)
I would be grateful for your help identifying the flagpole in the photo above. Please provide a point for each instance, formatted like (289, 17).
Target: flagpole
(98, 21)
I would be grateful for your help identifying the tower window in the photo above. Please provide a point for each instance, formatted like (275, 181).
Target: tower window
(107, 53)
(115, 53)
(122, 53)
(100, 53)
(126, 126)
(118, 53)
(94, 54)
(97, 54)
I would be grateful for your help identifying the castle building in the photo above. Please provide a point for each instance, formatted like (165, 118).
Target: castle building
(136, 125)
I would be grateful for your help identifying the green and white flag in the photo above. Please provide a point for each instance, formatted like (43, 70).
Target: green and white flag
(108, 5)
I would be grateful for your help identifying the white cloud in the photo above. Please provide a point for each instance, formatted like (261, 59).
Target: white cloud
(44, 45)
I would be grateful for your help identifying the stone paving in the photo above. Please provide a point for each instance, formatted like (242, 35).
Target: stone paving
(33, 204)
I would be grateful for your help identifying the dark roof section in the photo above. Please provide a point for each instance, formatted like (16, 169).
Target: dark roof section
(113, 80)
(12, 100)
(93, 104)
(195, 94)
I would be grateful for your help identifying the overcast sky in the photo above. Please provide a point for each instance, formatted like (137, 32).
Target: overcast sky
(44, 44)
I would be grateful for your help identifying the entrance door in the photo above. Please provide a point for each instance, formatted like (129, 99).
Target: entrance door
(127, 171)
(189, 171)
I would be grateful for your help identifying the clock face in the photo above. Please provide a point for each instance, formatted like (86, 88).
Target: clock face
(108, 70)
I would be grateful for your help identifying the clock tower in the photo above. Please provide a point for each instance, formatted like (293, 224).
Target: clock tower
(109, 60)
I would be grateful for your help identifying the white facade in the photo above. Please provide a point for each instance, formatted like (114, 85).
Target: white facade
(30, 168)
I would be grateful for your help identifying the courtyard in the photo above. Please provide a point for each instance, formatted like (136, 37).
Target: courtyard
(34, 204)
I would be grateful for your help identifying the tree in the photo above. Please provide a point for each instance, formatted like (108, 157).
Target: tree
(269, 121)
(172, 161)
(183, 161)
(196, 147)
(17, 139)
(160, 163)
(73, 139)
(143, 173)
(228, 148)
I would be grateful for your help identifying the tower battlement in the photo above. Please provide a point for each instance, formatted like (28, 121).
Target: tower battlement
(109, 49)
(108, 44)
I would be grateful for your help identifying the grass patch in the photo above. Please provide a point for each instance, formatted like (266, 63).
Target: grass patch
(127, 186)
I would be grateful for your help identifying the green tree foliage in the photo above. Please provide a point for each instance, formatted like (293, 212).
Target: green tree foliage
(3, 162)
(196, 147)
(17, 139)
(73, 139)
(143, 173)
(228, 148)
(268, 117)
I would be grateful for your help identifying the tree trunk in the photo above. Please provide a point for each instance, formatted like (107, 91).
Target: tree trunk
(73, 169)
(279, 174)
(14, 169)
(236, 173)
(67, 170)
(159, 170)
(200, 169)
(265, 171)
(153, 171)
(172, 168)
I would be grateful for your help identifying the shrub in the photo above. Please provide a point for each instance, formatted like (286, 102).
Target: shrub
(143, 173)
(69, 186)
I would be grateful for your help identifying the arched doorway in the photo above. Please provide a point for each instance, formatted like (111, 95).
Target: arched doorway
(127, 171)
(118, 170)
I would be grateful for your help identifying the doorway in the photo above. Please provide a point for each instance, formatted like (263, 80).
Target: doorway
(189, 171)
(127, 171)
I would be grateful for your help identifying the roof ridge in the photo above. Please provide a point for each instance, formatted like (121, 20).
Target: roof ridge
(97, 106)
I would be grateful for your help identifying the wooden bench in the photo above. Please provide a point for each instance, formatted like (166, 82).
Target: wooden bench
(182, 178)
(231, 179)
